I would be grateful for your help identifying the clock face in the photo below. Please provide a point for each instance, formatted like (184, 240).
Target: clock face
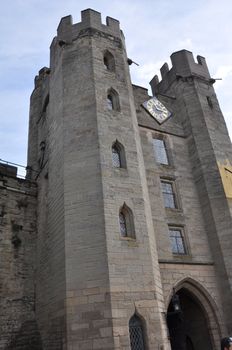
(157, 110)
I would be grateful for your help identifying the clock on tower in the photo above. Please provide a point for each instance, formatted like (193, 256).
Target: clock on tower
(157, 110)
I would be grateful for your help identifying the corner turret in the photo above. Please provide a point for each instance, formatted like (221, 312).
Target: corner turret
(91, 22)
(67, 31)
(183, 67)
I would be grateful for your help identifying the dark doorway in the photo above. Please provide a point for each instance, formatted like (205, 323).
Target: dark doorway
(188, 327)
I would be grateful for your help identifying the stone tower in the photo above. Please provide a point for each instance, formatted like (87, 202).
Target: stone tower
(210, 154)
(133, 216)
(90, 280)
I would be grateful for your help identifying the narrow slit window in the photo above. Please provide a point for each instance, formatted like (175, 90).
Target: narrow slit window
(126, 222)
(109, 62)
(110, 102)
(136, 333)
(122, 223)
(113, 100)
(116, 158)
(209, 100)
(118, 155)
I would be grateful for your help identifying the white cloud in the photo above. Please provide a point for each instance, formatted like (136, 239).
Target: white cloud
(185, 43)
(223, 73)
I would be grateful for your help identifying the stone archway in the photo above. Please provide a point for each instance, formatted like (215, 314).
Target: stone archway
(195, 325)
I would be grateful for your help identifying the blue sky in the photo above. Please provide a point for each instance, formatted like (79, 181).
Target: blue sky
(153, 30)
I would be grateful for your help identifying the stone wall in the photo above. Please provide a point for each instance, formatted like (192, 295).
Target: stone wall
(18, 327)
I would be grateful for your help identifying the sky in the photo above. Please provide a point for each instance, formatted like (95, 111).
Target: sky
(153, 29)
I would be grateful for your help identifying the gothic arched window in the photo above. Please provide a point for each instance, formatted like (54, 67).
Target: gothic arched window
(122, 223)
(113, 100)
(136, 333)
(126, 222)
(118, 155)
(110, 102)
(109, 61)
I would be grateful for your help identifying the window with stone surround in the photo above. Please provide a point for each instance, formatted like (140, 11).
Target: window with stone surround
(176, 235)
(109, 62)
(160, 151)
(136, 333)
(126, 222)
(118, 155)
(169, 195)
(113, 100)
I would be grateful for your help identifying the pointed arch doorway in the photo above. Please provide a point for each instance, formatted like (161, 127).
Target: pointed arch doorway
(188, 327)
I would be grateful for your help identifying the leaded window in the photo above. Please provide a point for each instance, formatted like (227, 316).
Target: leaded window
(136, 333)
(116, 158)
(160, 151)
(118, 155)
(168, 194)
(126, 222)
(177, 241)
(122, 223)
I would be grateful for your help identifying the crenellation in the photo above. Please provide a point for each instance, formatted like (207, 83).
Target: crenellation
(184, 64)
(183, 67)
(67, 31)
(43, 74)
(164, 70)
(154, 83)
(113, 24)
(44, 71)
(91, 18)
(64, 30)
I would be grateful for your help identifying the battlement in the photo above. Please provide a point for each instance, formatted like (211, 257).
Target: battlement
(67, 31)
(43, 73)
(183, 66)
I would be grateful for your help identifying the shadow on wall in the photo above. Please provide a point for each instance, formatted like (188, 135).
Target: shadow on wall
(27, 338)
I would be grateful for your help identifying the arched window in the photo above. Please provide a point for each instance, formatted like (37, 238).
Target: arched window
(136, 333)
(109, 62)
(113, 100)
(118, 155)
(110, 102)
(122, 223)
(126, 222)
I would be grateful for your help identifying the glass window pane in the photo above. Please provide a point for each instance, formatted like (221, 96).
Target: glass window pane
(177, 241)
(122, 223)
(136, 334)
(116, 157)
(160, 151)
(168, 195)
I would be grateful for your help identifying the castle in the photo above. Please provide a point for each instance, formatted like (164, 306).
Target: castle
(120, 235)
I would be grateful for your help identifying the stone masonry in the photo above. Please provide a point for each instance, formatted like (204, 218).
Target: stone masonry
(18, 326)
(70, 278)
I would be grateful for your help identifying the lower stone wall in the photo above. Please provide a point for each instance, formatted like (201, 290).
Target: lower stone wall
(18, 328)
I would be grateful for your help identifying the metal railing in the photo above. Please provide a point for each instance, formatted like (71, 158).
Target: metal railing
(21, 171)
